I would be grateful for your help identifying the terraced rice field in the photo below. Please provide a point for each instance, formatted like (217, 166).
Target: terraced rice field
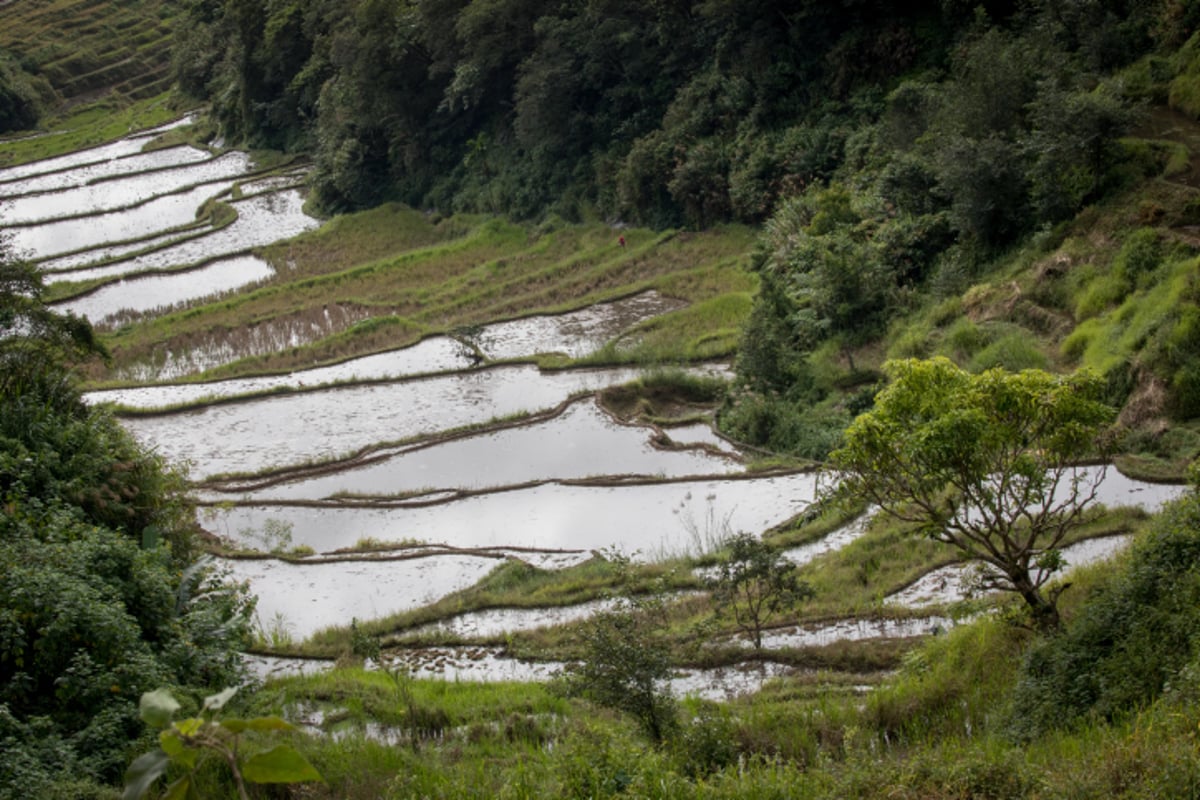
(87, 48)
(382, 481)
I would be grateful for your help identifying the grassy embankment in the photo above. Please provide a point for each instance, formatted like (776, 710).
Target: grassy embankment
(102, 68)
(405, 275)
(944, 726)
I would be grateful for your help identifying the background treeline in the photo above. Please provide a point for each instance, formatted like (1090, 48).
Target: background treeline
(663, 112)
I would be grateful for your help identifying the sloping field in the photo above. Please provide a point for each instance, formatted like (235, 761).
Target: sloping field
(85, 48)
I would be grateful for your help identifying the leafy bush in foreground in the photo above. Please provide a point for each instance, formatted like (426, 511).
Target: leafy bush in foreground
(98, 603)
(1129, 642)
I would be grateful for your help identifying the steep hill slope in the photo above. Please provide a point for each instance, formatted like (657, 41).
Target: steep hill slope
(77, 50)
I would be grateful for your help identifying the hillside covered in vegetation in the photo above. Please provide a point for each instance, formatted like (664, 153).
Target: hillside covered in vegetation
(1006, 184)
(828, 185)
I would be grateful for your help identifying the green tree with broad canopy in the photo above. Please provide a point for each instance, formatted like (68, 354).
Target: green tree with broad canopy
(989, 463)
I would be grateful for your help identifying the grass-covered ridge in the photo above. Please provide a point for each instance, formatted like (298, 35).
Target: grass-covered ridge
(986, 710)
(59, 54)
(400, 275)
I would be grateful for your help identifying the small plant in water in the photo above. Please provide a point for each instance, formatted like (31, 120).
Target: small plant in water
(706, 536)
(275, 536)
(363, 645)
(190, 742)
(276, 634)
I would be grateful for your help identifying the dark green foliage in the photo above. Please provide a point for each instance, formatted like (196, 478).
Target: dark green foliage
(783, 425)
(97, 603)
(1073, 148)
(823, 252)
(770, 357)
(674, 112)
(706, 743)
(1129, 642)
(19, 102)
(89, 620)
(55, 450)
(1138, 257)
(516, 104)
(363, 645)
(957, 166)
(35, 342)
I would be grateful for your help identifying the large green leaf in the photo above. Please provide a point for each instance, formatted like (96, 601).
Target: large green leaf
(157, 708)
(179, 790)
(280, 764)
(144, 771)
(178, 750)
(215, 702)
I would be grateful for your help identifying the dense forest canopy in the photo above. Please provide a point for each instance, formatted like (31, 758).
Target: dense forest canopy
(667, 112)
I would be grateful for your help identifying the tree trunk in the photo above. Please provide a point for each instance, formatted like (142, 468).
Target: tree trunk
(1044, 612)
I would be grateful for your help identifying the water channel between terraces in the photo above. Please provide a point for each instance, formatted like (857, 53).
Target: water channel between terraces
(404, 446)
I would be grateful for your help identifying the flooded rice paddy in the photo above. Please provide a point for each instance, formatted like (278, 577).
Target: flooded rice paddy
(291, 429)
(490, 664)
(654, 519)
(539, 334)
(300, 599)
(216, 348)
(261, 220)
(416, 445)
(580, 442)
(116, 233)
(83, 199)
(158, 292)
(101, 170)
(129, 145)
(957, 582)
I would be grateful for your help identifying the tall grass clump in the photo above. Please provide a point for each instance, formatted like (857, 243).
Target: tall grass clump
(954, 686)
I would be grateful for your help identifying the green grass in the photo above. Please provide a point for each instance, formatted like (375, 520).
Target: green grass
(85, 48)
(1103, 342)
(513, 584)
(415, 276)
(91, 125)
(934, 729)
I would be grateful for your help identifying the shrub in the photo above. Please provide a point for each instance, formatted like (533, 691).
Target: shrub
(1130, 639)
(964, 339)
(783, 425)
(89, 620)
(755, 584)
(706, 743)
(626, 663)
(1139, 255)
(1185, 95)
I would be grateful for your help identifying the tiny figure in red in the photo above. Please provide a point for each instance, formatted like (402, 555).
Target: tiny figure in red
(622, 241)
